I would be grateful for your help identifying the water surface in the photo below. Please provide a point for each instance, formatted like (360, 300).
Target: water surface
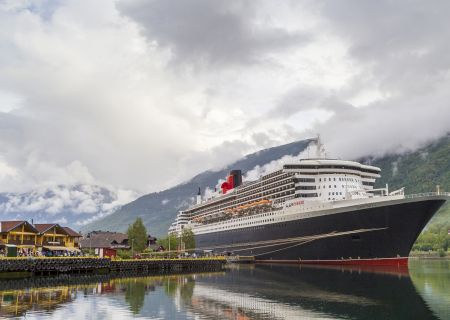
(240, 292)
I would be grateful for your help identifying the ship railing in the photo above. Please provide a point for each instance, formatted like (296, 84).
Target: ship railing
(427, 194)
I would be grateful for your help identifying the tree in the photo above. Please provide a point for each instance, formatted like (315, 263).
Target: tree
(172, 239)
(137, 235)
(187, 236)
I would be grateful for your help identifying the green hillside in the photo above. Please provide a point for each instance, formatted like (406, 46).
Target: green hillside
(421, 171)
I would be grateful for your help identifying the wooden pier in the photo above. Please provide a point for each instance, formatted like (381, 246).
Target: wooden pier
(241, 259)
(78, 265)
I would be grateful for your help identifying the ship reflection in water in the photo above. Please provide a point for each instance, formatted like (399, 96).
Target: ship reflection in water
(241, 292)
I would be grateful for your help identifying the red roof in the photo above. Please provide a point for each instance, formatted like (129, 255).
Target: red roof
(42, 227)
(7, 226)
(71, 232)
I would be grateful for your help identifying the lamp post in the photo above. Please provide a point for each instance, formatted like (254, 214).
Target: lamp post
(132, 248)
(90, 243)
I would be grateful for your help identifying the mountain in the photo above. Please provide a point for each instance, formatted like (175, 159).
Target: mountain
(68, 205)
(419, 171)
(158, 210)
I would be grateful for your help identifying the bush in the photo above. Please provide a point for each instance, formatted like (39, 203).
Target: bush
(124, 254)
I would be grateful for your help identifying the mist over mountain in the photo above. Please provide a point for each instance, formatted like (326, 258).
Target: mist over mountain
(72, 206)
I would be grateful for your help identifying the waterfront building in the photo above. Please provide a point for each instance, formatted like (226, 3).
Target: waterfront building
(20, 234)
(53, 237)
(105, 243)
(26, 238)
(73, 238)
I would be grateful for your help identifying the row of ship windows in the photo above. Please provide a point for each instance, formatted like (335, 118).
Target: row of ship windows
(285, 185)
(332, 179)
(268, 184)
(247, 223)
(277, 225)
(343, 186)
(274, 194)
(323, 187)
(246, 218)
(295, 166)
(340, 179)
(315, 195)
(272, 174)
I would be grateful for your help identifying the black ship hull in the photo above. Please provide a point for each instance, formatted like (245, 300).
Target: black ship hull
(383, 234)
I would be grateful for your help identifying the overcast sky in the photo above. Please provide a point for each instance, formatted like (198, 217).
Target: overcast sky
(143, 94)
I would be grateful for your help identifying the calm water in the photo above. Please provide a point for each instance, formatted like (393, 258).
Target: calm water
(244, 292)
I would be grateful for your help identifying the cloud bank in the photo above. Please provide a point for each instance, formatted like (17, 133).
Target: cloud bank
(142, 95)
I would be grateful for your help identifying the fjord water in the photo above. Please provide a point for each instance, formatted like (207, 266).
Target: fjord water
(239, 292)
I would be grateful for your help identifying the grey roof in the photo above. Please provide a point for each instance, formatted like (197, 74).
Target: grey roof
(104, 239)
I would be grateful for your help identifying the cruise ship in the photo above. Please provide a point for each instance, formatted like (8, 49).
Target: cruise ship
(311, 211)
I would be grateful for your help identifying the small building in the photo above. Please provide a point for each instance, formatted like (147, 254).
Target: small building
(73, 238)
(55, 238)
(105, 243)
(151, 244)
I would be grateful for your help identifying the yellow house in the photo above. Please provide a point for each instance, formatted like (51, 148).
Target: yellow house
(20, 233)
(52, 236)
(73, 238)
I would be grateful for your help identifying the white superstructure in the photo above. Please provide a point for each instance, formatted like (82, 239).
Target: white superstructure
(305, 188)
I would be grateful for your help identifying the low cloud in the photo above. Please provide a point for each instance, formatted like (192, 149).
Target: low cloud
(76, 205)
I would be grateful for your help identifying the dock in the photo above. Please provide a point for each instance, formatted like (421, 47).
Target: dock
(241, 259)
(80, 265)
